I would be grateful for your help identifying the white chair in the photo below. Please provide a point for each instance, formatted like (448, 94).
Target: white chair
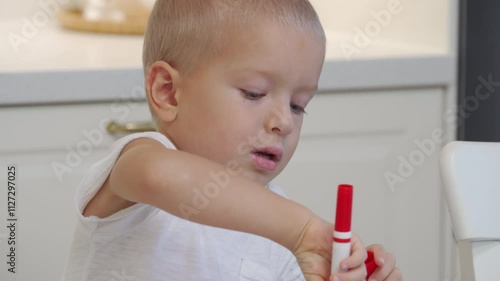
(471, 177)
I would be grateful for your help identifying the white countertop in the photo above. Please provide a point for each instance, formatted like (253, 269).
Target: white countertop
(53, 48)
(51, 64)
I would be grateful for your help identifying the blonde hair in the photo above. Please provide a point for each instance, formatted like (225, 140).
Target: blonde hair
(184, 33)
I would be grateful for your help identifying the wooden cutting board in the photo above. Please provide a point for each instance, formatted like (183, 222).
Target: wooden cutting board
(75, 20)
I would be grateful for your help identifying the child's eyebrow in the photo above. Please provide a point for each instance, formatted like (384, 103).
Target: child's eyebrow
(307, 89)
(253, 70)
(272, 78)
(269, 76)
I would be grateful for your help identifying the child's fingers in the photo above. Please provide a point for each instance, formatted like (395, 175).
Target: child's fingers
(357, 273)
(388, 271)
(379, 254)
(357, 257)
(395, 275)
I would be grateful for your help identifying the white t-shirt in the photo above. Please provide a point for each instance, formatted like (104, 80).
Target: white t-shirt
(143, 242)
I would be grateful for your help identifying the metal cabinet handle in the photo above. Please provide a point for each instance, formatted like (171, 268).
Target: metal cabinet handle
(128, 128)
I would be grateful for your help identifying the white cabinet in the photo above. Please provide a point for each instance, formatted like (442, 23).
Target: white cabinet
(45, 217)
(51, 148)
(359, 138)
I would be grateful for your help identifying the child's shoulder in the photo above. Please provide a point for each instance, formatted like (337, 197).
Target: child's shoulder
(141, 138)
(105, 202)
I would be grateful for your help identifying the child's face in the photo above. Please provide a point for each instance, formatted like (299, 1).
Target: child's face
(244, 109)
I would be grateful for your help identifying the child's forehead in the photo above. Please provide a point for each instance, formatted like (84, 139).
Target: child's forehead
(264, 64)
(259, 37)
(260, 48)
(263, 43)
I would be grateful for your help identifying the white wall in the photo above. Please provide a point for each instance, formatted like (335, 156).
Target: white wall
(421, 23)
(17, 9)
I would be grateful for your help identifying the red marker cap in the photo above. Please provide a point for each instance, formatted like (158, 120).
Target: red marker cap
(344, 208)
(370, 264)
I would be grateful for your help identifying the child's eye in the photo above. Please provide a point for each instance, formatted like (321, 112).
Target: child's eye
(252, 95)
(297, 109)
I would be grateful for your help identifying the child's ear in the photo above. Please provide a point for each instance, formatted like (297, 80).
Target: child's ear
(162, 82)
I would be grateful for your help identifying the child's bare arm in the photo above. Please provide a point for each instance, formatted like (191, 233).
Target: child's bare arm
(149, 173)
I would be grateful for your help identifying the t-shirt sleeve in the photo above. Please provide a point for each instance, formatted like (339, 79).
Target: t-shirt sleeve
(99, 172)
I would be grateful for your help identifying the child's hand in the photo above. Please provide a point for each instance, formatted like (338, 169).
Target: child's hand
(386, 263)
(355, 263)
(314, 254)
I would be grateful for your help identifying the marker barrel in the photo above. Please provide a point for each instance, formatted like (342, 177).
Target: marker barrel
(341, 249)
(341, 246)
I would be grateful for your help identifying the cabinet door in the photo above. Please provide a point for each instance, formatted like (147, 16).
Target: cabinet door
(43, 213)
(387, 145)
(51, 147)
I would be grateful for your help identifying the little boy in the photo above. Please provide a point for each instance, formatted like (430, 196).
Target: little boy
(227, 82)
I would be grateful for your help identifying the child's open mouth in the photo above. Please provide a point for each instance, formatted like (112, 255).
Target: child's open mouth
(266, 155)
(267, 158)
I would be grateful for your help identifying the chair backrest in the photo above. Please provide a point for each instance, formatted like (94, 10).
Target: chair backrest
(470, 172)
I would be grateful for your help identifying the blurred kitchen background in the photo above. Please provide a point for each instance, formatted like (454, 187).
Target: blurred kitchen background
(386, 105)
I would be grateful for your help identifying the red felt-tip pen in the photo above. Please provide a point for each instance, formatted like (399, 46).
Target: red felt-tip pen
(341, 246)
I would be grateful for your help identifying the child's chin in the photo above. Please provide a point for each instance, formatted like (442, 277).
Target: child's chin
(261, 178)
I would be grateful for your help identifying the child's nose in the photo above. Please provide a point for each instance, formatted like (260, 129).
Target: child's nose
(280, 121)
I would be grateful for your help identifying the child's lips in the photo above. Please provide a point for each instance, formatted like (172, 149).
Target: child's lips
(267, 158)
